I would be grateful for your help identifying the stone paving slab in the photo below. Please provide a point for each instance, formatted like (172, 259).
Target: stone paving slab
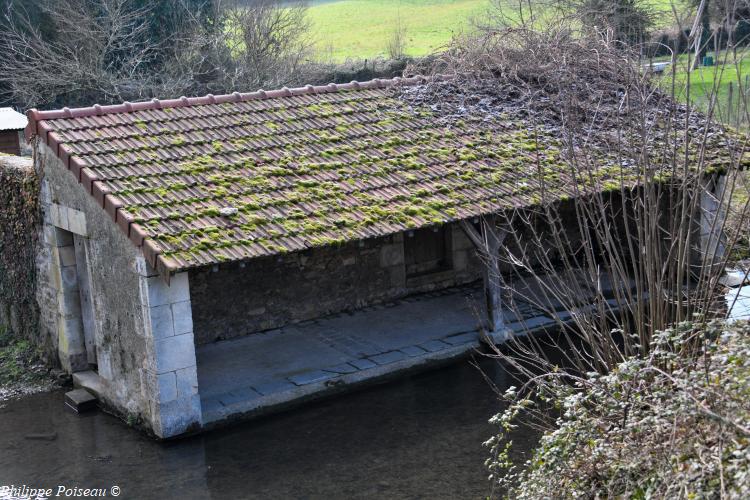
(388, 357)
(413, 351)
(311, 377)
(342, 368)
(363, 364)
(313, 351)
(434, 345)
(462, 338)
(281, 365)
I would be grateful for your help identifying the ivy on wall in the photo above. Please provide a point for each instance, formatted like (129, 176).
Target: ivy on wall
(19, 223)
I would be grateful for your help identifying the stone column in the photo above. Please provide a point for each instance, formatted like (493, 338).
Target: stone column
(71, 347)
(712, 219)
(177, 406)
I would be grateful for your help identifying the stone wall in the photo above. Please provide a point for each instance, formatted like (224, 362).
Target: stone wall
(237, 299)
(19, 228)
(118, 281)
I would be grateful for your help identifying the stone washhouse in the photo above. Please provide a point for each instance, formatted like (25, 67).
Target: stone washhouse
(206, 259)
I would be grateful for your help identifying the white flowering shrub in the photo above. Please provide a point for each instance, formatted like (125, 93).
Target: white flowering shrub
(672, 424)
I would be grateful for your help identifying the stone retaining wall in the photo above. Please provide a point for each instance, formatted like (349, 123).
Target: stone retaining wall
(19, 227)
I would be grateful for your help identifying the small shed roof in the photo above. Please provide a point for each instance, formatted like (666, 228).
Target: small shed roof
(199, 181)
(10, 119)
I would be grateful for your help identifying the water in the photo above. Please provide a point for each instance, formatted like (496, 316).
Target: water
(419, 437)
(739, 300)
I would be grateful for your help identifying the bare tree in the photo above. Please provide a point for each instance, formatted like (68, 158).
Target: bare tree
(627, 21)
(103, 51)
(96, 55)
(262, 44)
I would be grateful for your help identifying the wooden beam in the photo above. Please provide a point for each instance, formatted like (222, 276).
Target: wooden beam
(488, 243)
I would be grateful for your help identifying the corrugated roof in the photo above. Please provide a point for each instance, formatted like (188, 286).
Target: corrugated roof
(221, 178)
(11, 119)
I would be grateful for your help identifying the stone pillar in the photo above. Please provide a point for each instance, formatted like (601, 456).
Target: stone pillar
(71, 346)
(177, 406)
(712, 218)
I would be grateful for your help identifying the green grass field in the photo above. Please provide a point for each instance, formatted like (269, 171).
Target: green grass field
(362, 28)
(706, 81)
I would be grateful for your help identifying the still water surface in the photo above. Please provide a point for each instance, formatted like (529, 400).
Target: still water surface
(418, 437)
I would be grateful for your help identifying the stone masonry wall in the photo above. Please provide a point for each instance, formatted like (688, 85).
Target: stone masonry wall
(19, 228)
(118, 280)
(236, 299)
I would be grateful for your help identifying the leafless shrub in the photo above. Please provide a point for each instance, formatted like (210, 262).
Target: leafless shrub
(102, 52)
(630, 229)
(258, 44)
(96, 54)
(629, 236)
(396, 46)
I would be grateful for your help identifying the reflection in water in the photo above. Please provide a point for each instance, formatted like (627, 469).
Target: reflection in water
(417, 437)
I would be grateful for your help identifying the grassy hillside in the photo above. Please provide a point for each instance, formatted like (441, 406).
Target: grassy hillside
(362, 28)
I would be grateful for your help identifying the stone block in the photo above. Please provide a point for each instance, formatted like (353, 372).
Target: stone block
(391, 255)
(167, 387)
(363, 364)
(182, 317)
(67, 256)
(77, 222)
(80, 400)
(54, 214)
(63, 238)
(434, 346)
(311, 377)
(91, 381)
(72, 330)
(461, 338)
(412, 351)
(388, 357)
(69, 278)
(104, 364)
(341, 369)
(48, 232)
(70, 304)
(162, 325)
(187, 381)
(174, 353)
(159, 293)
(178, 416)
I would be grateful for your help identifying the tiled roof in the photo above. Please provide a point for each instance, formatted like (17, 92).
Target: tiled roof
(10, 119)
(205, 180)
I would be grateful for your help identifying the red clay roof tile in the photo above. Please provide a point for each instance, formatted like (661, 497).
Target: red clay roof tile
(303, 167)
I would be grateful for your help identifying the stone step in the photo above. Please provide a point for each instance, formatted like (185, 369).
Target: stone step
(89, 380)
(80, 400)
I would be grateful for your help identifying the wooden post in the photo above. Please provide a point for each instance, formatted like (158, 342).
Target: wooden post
(488, 243)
